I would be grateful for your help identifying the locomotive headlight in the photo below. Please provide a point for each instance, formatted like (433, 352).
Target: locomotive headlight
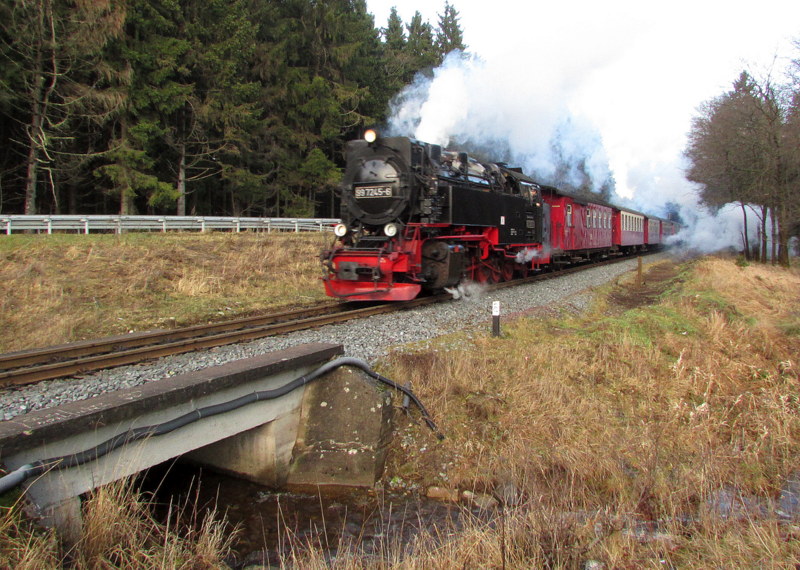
(370, 135)
(391, 230)
(340, 230)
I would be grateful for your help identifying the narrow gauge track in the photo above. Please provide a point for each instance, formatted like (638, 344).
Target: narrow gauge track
(29, 366)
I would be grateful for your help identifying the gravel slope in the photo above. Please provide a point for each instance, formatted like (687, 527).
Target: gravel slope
(368, 339)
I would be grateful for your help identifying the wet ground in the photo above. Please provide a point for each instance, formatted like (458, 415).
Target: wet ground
(646, 289)
(272, 523)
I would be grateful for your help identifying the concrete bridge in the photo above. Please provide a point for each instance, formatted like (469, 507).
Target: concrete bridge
(330, 432)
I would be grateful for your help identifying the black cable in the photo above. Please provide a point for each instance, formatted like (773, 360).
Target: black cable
(76, 459)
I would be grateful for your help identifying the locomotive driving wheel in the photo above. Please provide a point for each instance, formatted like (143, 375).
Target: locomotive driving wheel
(507, 270)
(482, 274)
(486, 272)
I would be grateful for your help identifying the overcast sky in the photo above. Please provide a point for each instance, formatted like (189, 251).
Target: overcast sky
(629, 73)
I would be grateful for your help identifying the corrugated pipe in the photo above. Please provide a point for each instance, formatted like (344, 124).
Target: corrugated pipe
(19, 475)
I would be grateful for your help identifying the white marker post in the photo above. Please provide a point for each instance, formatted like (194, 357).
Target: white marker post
(495, 318)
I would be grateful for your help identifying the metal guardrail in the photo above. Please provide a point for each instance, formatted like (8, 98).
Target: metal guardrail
(120, 224)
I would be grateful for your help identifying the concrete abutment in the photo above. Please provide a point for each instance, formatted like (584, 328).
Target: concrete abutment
(331, 432)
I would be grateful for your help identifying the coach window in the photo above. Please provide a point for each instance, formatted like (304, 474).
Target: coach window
(588, 218)
(569, 215)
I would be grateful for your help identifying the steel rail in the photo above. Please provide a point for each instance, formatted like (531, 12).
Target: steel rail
(26, 367)
(97, 355)
(47, 355)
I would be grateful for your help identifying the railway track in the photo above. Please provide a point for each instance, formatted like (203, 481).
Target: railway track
(34, 365)
(29, 366)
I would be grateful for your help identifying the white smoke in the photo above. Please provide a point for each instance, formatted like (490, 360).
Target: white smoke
(708, 232)
(467, 291)
(495, 110)
(526, 255)
(506, 111)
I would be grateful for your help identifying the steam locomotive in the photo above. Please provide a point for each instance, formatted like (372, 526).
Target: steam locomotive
(416, 217)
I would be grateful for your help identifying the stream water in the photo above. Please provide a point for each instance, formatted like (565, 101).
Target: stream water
(272, 524)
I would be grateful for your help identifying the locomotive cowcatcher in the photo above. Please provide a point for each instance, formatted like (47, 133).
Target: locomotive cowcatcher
(417, 217)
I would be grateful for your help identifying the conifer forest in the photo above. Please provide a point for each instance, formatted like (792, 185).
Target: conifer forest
(213, 107)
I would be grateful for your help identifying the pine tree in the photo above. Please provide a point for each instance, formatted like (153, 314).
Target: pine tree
(449, 36)
(420, 45)
(394, 35)
(153, 57)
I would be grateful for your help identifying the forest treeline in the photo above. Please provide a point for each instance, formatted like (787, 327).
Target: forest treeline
(226, 107)
(744, 149)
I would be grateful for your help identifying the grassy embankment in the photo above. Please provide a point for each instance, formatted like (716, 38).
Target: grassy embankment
(621, 432)
(655, 407)
(61, 288)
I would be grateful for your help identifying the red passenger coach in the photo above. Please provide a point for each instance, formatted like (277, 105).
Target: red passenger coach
(652, 231)
(668, 228)
(577, 226)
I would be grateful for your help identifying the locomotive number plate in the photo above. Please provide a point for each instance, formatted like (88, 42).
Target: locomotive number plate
(373, 192)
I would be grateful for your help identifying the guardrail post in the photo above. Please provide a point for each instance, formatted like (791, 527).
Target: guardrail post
(85, 226)
(49, 226)
(296, 227)
(7, 221)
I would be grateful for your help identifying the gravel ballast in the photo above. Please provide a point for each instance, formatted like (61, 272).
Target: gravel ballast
(368, 339)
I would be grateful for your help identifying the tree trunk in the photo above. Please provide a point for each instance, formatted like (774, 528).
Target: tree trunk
(774, 238)
(783, 239)
(764, 212)
(181, 210)
(745, 236)
(126, 193)
(72, 199)
(40, 97)
(34, 140)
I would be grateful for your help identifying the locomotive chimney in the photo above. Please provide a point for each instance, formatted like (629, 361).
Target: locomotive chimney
(435, 153)
(463, 159)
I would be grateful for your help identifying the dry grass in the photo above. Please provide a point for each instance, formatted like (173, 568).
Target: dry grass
(622, 431)
(60, 288)
(119, 532)
(645, 415)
